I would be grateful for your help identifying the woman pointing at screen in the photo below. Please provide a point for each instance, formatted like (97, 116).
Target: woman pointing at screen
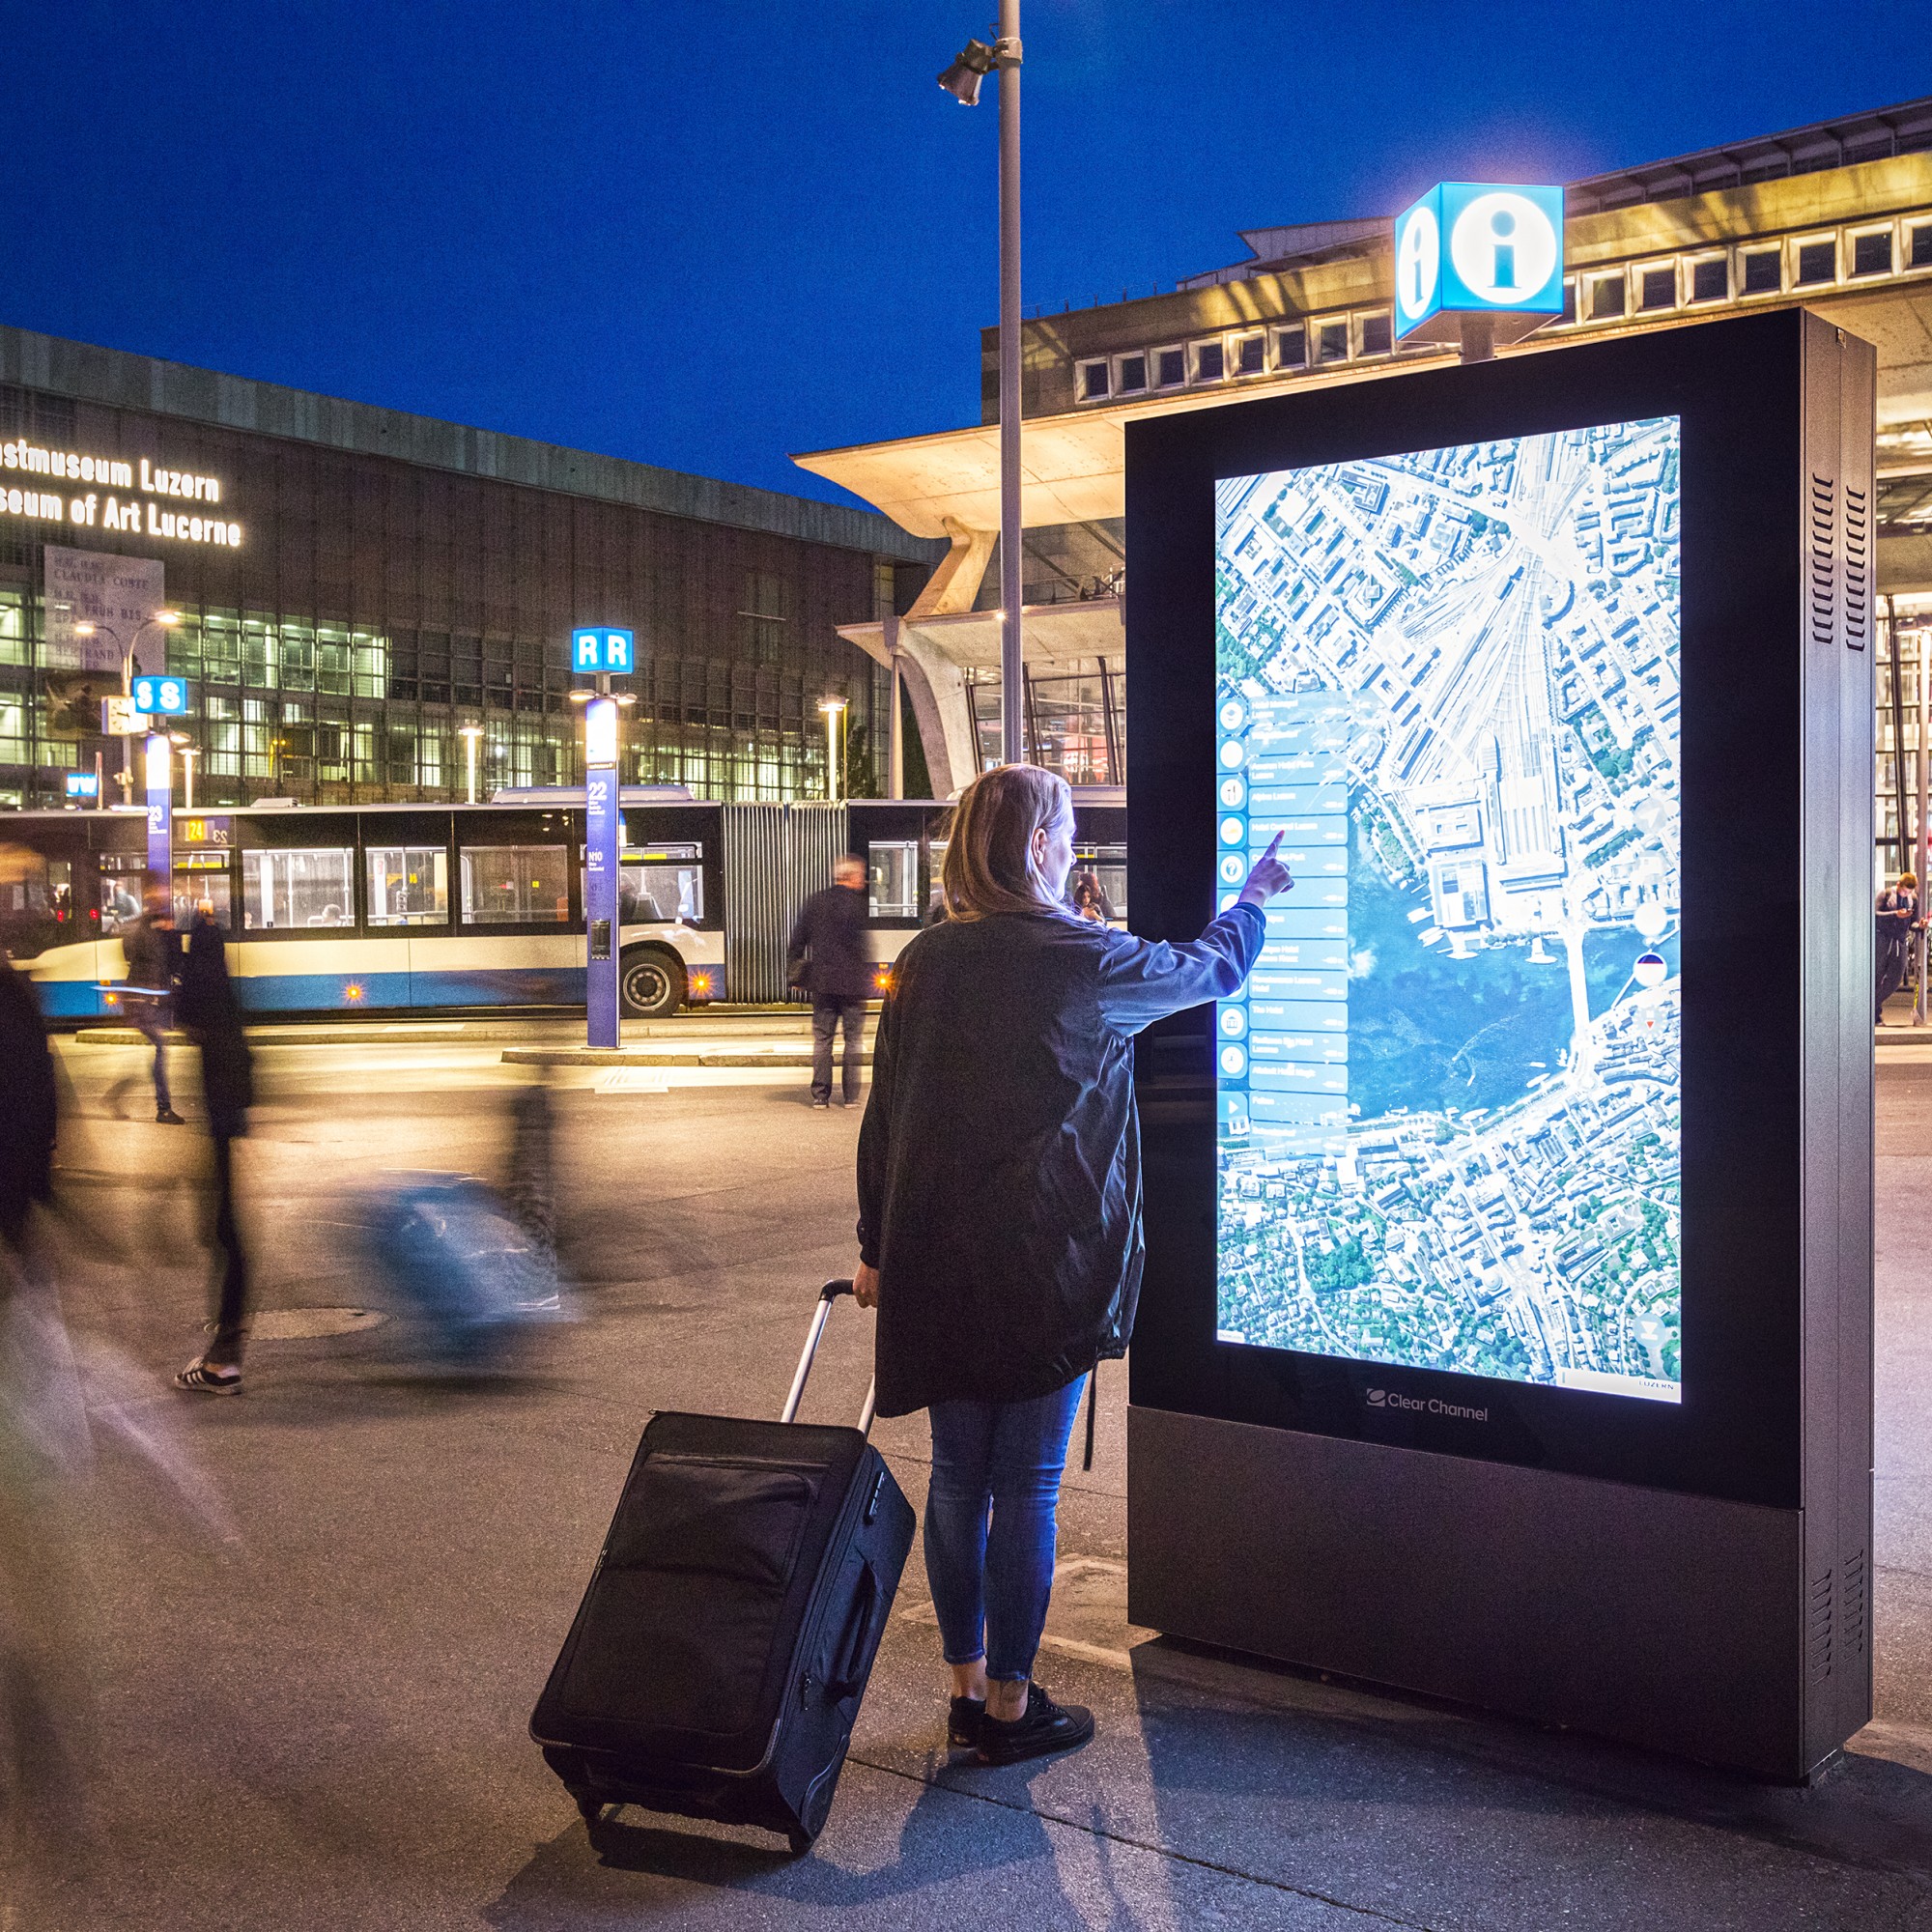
(1000, 1211)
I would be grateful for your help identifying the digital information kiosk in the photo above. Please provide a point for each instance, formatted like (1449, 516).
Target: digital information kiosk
(1506, 1328)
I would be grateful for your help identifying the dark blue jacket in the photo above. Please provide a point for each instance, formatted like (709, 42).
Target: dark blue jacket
(999, 1161)
(829, 937)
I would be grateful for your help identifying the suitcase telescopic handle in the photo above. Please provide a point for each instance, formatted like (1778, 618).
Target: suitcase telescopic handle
(820, 1314)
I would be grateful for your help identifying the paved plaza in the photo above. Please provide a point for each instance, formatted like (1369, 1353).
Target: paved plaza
(285, 1646)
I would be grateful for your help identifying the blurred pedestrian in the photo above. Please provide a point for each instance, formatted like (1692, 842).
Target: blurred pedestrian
(827, 956)
(1896, 914)
(27, 1111)
(153, 964)
(1000, 1212)
(213, 1016)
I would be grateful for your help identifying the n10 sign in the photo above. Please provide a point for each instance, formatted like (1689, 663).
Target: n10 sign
(160, 697)
(603, 651)
(1476, 249)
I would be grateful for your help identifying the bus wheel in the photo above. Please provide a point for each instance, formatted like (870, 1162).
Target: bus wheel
(650, 983)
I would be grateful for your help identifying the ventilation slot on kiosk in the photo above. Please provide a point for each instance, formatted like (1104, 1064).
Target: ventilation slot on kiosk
(1818, 1632)
(1855, 600)
(1855, 1602)
(1823, 520)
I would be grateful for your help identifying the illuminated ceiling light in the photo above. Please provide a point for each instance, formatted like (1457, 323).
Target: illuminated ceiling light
(973, 63)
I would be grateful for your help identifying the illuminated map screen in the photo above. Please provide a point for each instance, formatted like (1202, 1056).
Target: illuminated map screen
(1449, 1099)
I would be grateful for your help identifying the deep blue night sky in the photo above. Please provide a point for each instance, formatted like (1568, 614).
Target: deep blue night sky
(707, 235)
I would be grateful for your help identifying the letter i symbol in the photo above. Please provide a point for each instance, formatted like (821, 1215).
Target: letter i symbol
(1502, 225)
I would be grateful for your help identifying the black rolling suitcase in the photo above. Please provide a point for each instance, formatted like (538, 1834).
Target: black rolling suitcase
(718, 1655)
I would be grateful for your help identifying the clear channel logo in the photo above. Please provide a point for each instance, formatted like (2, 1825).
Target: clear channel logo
(1387, 1398)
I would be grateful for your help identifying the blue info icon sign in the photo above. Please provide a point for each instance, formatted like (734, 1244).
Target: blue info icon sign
(1478, 248)
(603, 650)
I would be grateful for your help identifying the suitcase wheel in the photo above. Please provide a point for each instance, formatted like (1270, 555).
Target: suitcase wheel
(801, 1841)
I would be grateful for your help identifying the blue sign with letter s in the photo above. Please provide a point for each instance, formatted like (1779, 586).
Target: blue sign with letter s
(160, 697)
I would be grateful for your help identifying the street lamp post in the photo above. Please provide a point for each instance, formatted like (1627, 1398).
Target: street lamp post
(161, 620)
(962, 80)
(470, 734)
(834, 709)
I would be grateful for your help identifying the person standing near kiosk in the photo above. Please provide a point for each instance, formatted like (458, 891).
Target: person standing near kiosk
(1000, 1211)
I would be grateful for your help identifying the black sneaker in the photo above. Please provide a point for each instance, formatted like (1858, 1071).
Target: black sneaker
(817, 1102)
(1047, 1727)
(207, 1378)
(963, 1721)
(168, 1118)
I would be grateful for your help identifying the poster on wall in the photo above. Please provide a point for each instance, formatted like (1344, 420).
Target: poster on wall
(1449, 1096)
(97, 607)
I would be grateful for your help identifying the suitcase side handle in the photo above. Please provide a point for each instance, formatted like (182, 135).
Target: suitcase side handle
(820, 1313)
(861, 1638)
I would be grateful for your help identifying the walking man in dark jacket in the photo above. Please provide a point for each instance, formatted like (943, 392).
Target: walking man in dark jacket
(213, 1016)
(827, 956)
(153, 964)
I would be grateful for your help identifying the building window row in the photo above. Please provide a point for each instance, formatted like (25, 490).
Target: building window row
(1279, 347)
(1794, 264)
(1791, 264)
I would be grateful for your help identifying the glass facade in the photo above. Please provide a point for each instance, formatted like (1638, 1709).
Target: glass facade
(1075, 719)
(1904, 658)
(375, 605)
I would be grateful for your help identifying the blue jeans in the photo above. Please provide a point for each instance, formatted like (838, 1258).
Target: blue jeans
(990, 1585)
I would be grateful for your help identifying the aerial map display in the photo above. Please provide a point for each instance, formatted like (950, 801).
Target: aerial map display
(1449, 1100)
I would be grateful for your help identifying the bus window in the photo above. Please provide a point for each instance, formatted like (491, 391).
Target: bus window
(409, 884)
(34, 912)
(515, 885)
(122, 880)
(291, 891)
(1108, 864)
(892, 873)
(660, 885)
(199, 875)
(196, 883)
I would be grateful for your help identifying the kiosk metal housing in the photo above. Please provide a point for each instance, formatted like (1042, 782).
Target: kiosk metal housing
(1690, 1576)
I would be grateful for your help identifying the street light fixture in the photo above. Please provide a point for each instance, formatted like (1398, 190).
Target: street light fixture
(834, 709)
(961, 80)
(970, 66)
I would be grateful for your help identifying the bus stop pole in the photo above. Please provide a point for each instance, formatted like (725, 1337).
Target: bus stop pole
(160, 782)
(600, 803)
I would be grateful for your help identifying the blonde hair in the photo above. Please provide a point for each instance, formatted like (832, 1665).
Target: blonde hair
(989, 867)
(1910, 880)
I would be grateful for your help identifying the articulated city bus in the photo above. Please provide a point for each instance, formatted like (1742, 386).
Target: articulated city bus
(391, 908)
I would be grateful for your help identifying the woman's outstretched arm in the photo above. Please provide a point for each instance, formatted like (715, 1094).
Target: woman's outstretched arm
(1145, 980)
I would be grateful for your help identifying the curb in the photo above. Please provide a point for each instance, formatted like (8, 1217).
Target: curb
(776, 1056)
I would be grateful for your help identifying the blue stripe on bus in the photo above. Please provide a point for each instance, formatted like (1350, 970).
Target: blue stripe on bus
(375, 992)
